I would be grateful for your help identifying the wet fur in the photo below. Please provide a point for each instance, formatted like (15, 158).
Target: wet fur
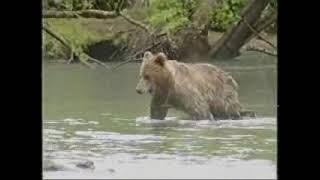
(201, 90)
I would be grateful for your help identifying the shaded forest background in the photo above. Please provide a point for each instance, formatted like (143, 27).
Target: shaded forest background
(99, 31)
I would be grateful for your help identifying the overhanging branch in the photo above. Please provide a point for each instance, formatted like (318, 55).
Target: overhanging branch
(257, 33)
(133, 57)
(83, 57)
(98, 14)
(261, 50)
(135, 22)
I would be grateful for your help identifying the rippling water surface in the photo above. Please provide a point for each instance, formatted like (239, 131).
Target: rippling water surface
(96, 126)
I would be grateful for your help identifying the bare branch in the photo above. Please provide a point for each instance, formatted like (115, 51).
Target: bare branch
(257, 33)
(99, 62)
(83, 57)
(133, 57)
(262, 50)
(135, 22)
(120, 5)
(161, 34)
(62, 41)
(117, 52)
(267, 21)
(71, 57)
(92, 13)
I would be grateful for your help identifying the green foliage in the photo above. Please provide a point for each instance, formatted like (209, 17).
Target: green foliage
(274, 3)
(70, 5)
(111, 5)
(73, 5)
(74, 32)
(226, 14)
(167, 15)
(171, 15)
(53, 49)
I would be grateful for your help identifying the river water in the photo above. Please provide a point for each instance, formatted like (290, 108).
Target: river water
(95, 117)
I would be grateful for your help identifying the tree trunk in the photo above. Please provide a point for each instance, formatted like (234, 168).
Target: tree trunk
(229, 44)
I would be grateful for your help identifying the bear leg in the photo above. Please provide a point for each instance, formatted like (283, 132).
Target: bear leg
(157, 110)
(211, 117)
(203, 116)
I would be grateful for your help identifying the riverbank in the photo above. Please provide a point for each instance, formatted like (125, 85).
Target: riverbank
(102, 39)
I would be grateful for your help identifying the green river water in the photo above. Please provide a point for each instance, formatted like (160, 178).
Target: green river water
(96, 116)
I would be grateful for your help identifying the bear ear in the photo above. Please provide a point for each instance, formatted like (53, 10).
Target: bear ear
(147, 55)
(160, 59)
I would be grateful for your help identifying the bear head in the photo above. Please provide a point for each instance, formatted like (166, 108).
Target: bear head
(154, 74)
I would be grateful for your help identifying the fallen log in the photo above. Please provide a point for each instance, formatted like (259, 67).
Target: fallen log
(98, 14)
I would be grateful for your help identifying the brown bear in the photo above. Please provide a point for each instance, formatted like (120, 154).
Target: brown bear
(201, 90)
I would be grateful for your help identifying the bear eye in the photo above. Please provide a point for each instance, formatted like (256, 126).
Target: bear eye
(146, 77)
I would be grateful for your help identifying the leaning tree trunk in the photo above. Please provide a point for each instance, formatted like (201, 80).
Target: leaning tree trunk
(229, 44)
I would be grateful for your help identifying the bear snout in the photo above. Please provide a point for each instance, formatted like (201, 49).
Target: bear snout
(139, 91)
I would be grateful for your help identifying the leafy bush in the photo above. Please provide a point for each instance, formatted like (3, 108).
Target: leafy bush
(171, 15)
(73, 5)
(226, 13)
(53, 49)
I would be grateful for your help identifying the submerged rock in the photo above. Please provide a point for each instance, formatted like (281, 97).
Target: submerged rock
(86, 164)
(49, 165)
(111, 170)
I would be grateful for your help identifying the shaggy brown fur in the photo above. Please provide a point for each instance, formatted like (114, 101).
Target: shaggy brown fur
(201, 90)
